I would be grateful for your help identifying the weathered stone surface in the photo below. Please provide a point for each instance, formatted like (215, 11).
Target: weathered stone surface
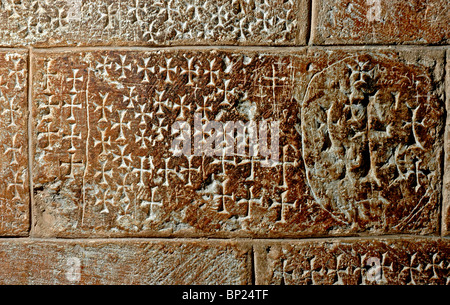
(380, 22)
(124, 262)
(14, 181)
(360, 142)
(366, 139)
(446, 188)
(153, 22)
(415, 261)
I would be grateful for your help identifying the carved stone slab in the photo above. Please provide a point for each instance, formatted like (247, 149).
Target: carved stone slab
(367, 141)
(380, 22)
(153, 22)
(353, 262)
(14, 181)
(359, 142)
(124, 262)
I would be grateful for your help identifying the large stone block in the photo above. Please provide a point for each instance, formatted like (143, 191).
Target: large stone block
(380, 22)
(153, 22)
(355, 142)
(394, 261)
(14, 178)
(446, 188)
(124, 262)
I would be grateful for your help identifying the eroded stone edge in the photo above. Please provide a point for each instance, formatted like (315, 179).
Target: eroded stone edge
(315, 35)
(304, 22)
(446, 169)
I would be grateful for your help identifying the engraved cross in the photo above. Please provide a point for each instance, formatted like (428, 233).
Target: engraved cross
(146, 69)
(189, 71)
(74, 79)
(121, 125)
(152, 203)
(167, 70)
(142, 171)
(16, 185)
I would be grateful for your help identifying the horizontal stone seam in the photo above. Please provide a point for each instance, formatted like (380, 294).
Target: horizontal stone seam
(18, 48)
(228, 47)
(310, 43)
(400, 44)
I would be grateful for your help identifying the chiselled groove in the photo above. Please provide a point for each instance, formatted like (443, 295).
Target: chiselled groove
(87, 146)
(445, 205)
(30, 136)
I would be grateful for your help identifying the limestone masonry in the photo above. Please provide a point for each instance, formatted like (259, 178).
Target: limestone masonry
(243, 141)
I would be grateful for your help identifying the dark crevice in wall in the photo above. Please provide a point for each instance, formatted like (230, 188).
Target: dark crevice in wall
(253, 266)
(30, 137)
(310, 23)
(444, 152)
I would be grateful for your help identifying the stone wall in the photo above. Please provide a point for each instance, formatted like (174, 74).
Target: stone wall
(224, 142)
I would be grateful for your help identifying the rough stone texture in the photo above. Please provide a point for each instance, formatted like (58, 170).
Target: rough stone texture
(14, 181)
(153, 22)
(357, 148)
(360, 142)
(446, 182)
(124, 262)
(412, 261)
(367, 142)
(380, 22)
